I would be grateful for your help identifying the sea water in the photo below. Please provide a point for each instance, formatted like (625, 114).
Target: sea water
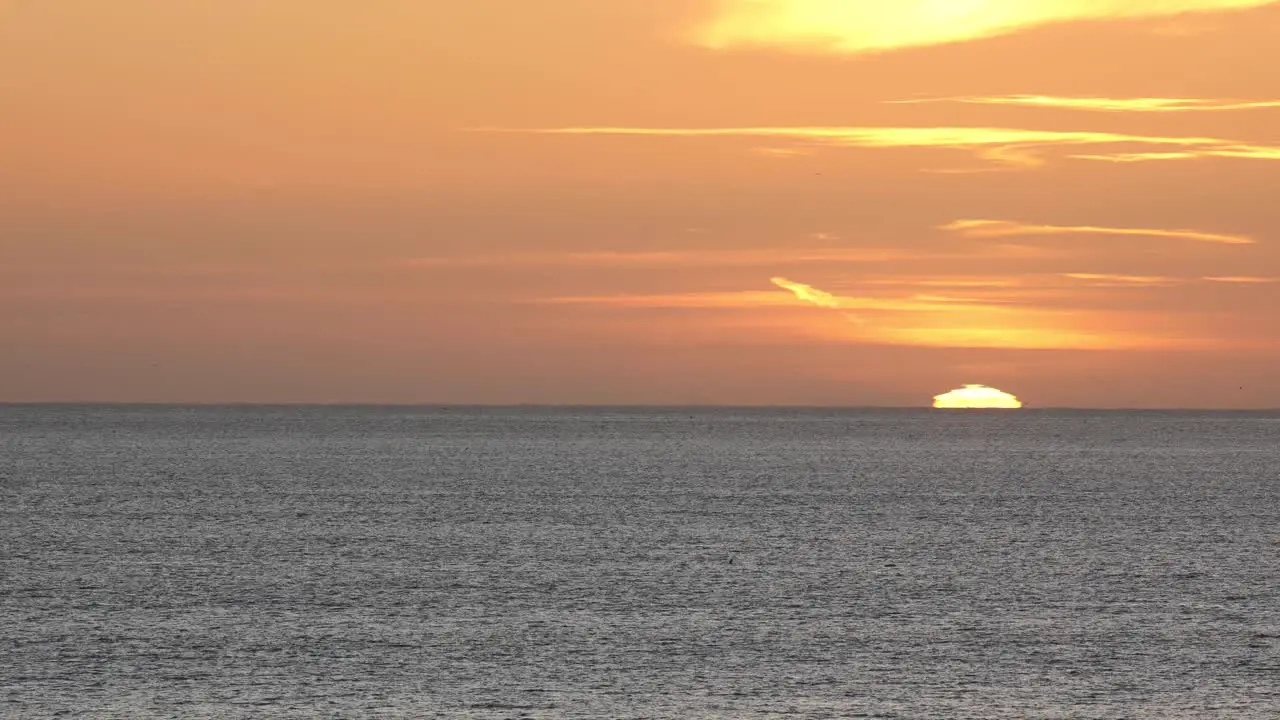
(314, 562)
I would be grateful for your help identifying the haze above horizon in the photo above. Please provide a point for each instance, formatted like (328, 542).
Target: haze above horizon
(778, 203)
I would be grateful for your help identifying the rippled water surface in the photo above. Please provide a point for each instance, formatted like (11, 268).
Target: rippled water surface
(570, 563)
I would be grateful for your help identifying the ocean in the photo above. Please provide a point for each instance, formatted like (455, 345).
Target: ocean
(628, 563)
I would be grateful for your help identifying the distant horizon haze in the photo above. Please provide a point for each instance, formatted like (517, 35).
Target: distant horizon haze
(745, 202)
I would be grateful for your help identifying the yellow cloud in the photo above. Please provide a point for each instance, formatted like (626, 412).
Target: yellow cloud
(1043, 334)
(1098, 104)
(1247, 152)
(808, 293)
(867, 26)
(1013, 147)
(1004, 228)
(1243, 152)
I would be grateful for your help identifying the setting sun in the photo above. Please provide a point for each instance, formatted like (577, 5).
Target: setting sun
(976, 397)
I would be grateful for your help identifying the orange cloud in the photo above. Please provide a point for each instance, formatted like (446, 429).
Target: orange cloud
(748, 300)
(1108, 280)
(949, 282)
(1137, 157)
(782, 153)
(1004, 228)
(684, 301)
(674, 258)
(1239, 280)
(763, 257)
(1098, 104)
(919, 320)
(1011, 147)
(866, 26)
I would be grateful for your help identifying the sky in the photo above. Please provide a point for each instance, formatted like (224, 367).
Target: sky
(729, 202)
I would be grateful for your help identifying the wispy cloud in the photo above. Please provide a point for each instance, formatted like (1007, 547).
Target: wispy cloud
(808, 293)
(1100, 104)
(1005, 228)
(783, 153)
(674, 258)
(753, 299)
(745, 300)
(1137, 157)
(1243, 280)
(1013, 147)
(920, 320)
(1110, 280)
(949, 282)
(857, 26)
(1242, 152)
(821, 298)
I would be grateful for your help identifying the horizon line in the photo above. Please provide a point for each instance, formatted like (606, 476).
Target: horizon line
(602, 406)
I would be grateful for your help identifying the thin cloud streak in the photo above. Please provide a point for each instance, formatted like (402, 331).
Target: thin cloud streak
(1004, 228)
(921, 320)
(1138, 157)
(808, 293)
(1242, 280)
(1011, 147)
(1109, 280)
(769, 257)
(949, 282)
(1236, 151)
(750, 300)
(674, 258)
(852, 27)
(1100, 104)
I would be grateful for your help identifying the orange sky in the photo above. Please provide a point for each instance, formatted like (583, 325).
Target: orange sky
(640, 201)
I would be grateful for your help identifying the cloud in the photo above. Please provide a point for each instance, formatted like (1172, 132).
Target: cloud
(949, 282)
(1011, 147)
(821, 298)
(869, 26)
(1004, 228)
(1242, 280)
(1097, 104)
(1243, 152)
(683, 301)
(783, 153)
(808, 293)
(674, 258)
(918, 320)
(749, 300)
(1138, 157)
(1109, 280)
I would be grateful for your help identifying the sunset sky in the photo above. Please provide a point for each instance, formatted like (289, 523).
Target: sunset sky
(799, 202)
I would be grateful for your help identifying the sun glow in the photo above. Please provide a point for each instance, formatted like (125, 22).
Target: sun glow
(976, 397)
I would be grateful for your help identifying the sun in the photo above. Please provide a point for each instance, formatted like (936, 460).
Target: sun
(976, 397)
